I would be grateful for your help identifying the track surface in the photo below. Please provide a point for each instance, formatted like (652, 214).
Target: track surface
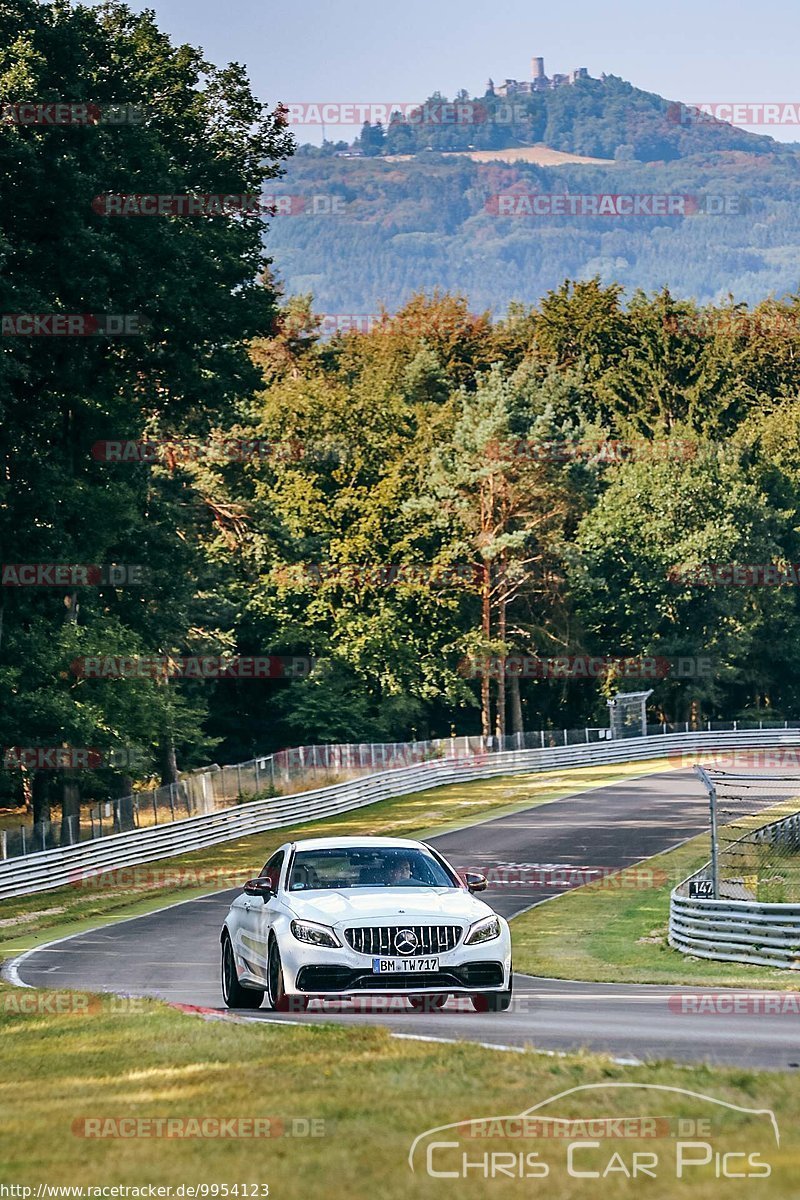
(174, 953)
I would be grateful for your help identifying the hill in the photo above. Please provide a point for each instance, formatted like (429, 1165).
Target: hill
(365, 233)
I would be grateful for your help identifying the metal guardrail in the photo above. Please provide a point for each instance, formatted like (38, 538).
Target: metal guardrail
(766, 935)
(737, 928)
(54, 868)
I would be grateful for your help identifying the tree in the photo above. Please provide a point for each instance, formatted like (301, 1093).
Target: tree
(194, 283)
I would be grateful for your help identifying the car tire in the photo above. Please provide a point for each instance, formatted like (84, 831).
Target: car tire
(427, 1004)
(494, 1001)
(277, 999)
(234, 995)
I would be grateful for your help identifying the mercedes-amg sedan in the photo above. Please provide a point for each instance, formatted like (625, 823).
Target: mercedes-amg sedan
(346, 917)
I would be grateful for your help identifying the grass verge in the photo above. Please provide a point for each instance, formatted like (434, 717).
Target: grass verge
(617, 934)
(373, 1094)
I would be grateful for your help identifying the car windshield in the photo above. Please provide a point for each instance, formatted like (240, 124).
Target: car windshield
(366, 867)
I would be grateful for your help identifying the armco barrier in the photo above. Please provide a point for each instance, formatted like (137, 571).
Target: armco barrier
(744, 931)
(738, 930)
(54, 868)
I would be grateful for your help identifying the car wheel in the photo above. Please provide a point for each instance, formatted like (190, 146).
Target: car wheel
(277, 999)
(491, 1001)
(234, 995)
(427, 1003)
(494, 1001)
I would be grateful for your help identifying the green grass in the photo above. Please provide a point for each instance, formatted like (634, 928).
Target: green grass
(374, 1093)
(27, 921)
(619, 934)
(105, 1058)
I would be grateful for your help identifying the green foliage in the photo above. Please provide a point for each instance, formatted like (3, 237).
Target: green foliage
(444, 486)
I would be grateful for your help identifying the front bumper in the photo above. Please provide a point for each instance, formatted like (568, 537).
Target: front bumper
(318, 979)
(315, 970)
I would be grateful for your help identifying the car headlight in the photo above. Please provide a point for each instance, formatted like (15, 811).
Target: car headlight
(483, 931)
(314, 935)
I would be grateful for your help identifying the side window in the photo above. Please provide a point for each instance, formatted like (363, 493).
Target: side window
(272, 870)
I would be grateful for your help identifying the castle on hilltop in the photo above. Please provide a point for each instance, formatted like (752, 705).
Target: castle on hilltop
(538, 82)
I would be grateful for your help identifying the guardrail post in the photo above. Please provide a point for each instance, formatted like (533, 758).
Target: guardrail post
(3, 843)
(22, 831)
(565, 737)
(712, 805)
(155, 807)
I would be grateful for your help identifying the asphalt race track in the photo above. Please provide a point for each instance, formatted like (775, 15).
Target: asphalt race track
(174, 953)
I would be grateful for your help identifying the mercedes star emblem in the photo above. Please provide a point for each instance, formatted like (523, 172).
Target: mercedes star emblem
(405, 941)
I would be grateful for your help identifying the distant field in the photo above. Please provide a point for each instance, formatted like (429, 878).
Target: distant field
(541, 156)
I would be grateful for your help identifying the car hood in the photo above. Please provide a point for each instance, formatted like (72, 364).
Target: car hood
(396, 905)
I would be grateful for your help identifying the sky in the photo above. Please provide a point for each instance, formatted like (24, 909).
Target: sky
(306, 51)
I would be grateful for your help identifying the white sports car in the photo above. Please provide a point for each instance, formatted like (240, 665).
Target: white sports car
(333, 917)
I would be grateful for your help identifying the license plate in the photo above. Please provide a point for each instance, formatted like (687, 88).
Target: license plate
(403, 966)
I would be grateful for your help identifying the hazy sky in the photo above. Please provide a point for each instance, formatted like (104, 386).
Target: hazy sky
(355, 50)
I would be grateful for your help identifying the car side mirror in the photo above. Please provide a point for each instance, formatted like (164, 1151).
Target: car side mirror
(475, 881)
(259, 887)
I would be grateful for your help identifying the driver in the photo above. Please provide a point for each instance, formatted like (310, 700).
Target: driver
(398, 872)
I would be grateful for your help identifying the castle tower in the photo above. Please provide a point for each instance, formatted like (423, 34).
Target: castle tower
(537, 68)
(490, 87)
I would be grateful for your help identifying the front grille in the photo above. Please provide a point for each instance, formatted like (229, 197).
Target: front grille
(380, 939)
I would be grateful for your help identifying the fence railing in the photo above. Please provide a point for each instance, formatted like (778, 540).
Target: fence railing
(67, 864)
(288, 772)
(753, 919)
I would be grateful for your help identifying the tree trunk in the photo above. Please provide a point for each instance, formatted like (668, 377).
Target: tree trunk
(486, 629)
(167, 763)
(40, 804)
(501, 674)
(70, 813)
(516, 704)
(40, 796)
(123, 804)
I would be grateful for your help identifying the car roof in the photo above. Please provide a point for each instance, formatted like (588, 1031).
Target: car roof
(365, 843)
